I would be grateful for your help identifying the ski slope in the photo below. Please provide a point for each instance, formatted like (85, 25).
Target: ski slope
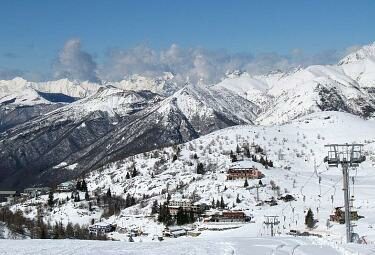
(186, 246)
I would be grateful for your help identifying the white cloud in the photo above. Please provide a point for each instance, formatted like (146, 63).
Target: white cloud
(74, 63)
(191, 64)
(197, 63)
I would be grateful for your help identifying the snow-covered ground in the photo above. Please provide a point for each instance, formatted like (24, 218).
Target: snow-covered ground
(297, 151)
(198, 246)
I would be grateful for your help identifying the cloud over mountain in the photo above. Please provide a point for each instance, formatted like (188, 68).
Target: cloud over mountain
(74, 63)
(194, 64)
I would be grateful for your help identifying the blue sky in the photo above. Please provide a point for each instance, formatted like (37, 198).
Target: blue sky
(32, 33)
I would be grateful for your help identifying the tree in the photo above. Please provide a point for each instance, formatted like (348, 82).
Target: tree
(238, 150)
(238, 199)
(270, 163)
(217, 203)
(87, 197)
(78, 185)
(309, 219)
(51, 201)
(127, 175)
(154, 207)
(83, 185)
(174, 157)
(247, 152)
(164, 215)
(200, 168)
(109, 194)
(260, 183)
(69, 232)
(180, 216)
(76, 197)
(262, 161)
(135, 172)
(225, 188)
(222, 204)
(246, 184)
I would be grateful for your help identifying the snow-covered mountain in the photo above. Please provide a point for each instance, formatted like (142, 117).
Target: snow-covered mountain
(164, 85)
(87, 124)
(348, 87)
(293, 148)
(113, 124)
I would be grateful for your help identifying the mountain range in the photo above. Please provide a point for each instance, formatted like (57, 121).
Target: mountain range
(56, 130)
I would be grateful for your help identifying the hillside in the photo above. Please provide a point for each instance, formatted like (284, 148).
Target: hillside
(110, 125)
(293, 148)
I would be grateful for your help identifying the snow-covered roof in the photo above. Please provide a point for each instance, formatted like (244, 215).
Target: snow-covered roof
(175, 228)
(7, 192)
(102, 224)
(68, 183)
(179, 232)
(242, 164)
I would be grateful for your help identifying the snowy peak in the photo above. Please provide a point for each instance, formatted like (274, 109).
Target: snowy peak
(367, 51)
(164, 85)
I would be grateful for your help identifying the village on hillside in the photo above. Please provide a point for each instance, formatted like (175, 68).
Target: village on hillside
(192, 190)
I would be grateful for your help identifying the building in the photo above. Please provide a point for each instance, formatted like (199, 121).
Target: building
(35, 192)
(228, 217)
(7, 195)
(174, 231)
(101, 228)
(66, 186)
(339, 215)
(187, 205)
(242, 170)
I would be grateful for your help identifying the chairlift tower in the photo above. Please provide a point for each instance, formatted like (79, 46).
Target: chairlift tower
(346, 155)
(271, 221)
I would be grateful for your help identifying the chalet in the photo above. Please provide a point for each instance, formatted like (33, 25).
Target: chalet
(35, 192)
(66, 186)
(241, 170)
(174, 231)
(186, 205)
(228, 217)
(7, 195)
(101, 228)
(339, 215)
(287, 198)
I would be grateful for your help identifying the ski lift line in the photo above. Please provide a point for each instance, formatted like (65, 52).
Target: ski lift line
(308, 180)
(333, 187)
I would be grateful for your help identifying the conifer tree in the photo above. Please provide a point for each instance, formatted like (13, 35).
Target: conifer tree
(309, 219)
(155, 207)
(238, 199)
(78, 185)
(200, 168)
(174, 157)
(109, 194)
(246, 184)
(83, 185)
(134, 173)
(127, 175)
(222, 204)
(51, 201)
(217, 204)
